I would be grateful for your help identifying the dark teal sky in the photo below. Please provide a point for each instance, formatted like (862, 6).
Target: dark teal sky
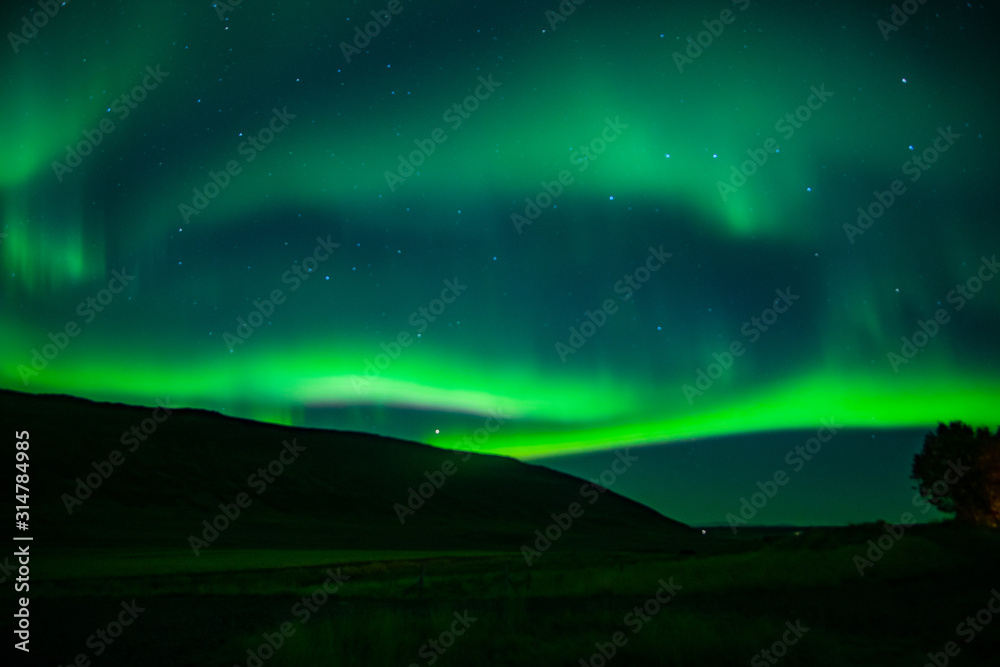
(728, 483)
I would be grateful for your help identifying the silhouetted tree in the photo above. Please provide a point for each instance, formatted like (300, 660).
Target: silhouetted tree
(958, 471)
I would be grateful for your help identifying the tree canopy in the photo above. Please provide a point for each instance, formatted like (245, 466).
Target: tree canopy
(958, 471)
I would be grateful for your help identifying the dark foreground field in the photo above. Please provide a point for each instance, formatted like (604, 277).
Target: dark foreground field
(318, 569)
(723, 609)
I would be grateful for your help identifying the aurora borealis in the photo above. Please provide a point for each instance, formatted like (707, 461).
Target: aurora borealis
(599, 224)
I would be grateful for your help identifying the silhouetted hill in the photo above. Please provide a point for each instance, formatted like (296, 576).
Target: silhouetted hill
(339, 493)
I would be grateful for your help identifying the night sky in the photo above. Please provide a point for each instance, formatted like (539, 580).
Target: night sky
(570, 232)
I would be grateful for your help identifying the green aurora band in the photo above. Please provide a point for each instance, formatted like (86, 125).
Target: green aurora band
(553, 91)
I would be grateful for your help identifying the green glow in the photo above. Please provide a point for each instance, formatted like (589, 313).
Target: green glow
(493, 349)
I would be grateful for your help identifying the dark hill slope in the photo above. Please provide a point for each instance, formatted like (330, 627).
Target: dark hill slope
(338, 493)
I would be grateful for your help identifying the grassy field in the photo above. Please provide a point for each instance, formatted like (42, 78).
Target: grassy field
(387, 608)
